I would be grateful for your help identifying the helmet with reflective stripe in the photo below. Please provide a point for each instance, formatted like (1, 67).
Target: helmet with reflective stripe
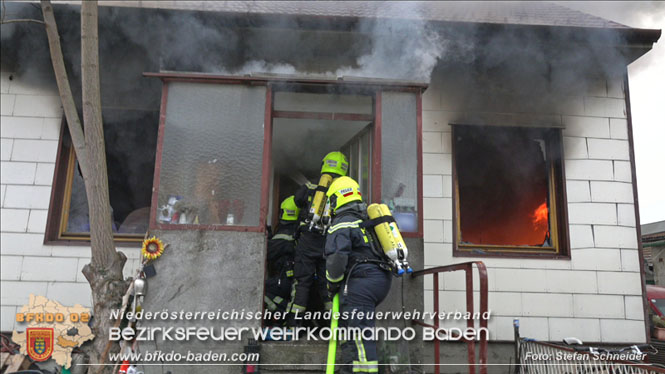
(342, 191)
(289, 209)
(336, 163)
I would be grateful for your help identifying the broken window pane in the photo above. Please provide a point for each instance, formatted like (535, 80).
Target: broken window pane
(399, 158)
(130, 137)
(503, 186)
(212, 155)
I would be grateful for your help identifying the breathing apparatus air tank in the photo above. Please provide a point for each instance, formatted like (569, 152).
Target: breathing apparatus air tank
(390, 238)
(319, 200)
(326, 218)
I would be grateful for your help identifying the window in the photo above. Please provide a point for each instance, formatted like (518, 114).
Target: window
(211, 161)
(221, 152)
(306, 126)
(131, 137)
(231, 148)
(399, 160)
(508, 190)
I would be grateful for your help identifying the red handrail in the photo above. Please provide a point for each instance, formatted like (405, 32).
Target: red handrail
(471, 344)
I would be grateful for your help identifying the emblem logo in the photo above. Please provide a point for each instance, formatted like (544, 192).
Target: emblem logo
(40, 343)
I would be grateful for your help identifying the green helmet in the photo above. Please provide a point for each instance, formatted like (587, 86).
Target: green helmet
(335, 162)
(342, 191)
(289, 209)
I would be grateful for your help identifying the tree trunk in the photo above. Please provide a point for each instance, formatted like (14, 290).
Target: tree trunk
(66, 97)
(104, 273)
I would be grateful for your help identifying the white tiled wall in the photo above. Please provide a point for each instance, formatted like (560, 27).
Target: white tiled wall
(596, 295)
(30, 128)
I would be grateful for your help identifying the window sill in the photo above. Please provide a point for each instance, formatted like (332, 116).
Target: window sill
(85, 242)
(510, 253)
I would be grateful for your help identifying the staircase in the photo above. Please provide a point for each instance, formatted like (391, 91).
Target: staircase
(309, 357)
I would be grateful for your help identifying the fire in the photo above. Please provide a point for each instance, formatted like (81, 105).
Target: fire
(540, 215)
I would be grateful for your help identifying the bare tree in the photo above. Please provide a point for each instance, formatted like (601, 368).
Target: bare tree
(104, 273)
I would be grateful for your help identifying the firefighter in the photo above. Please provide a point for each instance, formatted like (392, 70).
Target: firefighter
(281, 252)
(356, 268)
(309, 269)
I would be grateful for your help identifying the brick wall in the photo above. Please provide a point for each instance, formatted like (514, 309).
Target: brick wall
(596, 295)
(29, 130)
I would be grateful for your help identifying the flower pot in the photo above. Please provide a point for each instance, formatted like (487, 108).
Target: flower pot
(659, 333)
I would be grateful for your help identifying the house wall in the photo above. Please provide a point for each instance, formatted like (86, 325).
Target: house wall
(30, 129)
(596, 295)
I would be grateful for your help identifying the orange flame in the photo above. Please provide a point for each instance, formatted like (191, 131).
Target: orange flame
(540, 215)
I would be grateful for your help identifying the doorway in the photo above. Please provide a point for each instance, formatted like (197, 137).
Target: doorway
(305, 127)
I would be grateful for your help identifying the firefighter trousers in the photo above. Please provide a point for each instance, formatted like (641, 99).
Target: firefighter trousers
(367, 287)
(309, 271)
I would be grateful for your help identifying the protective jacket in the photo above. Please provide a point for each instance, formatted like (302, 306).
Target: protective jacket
(281, 247)
(281, 253)
(348, 244)
(351, 261)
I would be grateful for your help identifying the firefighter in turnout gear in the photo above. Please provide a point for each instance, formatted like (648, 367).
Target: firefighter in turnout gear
(281, 252)
(355, 268)
(309, 269)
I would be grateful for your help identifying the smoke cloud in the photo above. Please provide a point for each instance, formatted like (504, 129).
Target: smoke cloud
(133, 41)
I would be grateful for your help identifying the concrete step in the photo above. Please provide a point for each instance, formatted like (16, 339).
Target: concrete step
(294, 357)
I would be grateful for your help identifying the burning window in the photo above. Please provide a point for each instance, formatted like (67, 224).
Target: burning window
(507, 181)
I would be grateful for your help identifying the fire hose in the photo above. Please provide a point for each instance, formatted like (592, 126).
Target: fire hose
(332, 344)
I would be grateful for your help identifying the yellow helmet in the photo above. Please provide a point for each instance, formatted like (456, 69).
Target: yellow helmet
(289, 209)
(342, 191)
(336, 163)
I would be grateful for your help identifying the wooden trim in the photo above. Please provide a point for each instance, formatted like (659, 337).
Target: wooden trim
(376, 151)
(58, 212)
(506, 248)
(67, 197)
(323, 116)
(158, 157)
(267, 157)
(562, 196)
(57, 190)
(636, 204)
(376, 83)
(455, 193)
(276, 181)
(559, 236)
(419, 160)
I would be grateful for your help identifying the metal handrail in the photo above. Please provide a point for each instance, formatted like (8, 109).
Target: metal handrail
(471, 344)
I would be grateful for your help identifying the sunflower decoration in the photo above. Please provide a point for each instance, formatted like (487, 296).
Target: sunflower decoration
(152, 248)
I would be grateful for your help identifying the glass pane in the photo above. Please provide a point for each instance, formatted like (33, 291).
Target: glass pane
(130, 137)
(327, 103)
(514, 208)
(365, 152)
(353, 161)
(399, 158)
(212, 155)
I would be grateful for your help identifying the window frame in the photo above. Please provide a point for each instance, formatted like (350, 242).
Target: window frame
(58, 211)
(277, 83)
(373, 88)
(265, 169)
(558, 209)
